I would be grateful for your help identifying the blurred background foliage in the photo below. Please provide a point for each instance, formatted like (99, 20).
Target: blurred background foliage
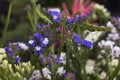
(19, 26)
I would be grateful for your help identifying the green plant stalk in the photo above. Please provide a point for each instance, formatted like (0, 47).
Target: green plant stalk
(107, 64)
(115, 72)
(30, 18)
(68, 58)
(6, 23)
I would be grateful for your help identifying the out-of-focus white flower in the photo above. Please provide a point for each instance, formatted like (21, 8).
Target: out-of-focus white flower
(115, 51)
(46, 73)
(113, 37)
(54, 9)
(93, 36)
(109, 24)
(114, 62)
(63, 58)
(61, 71)
(2, 54)
(107, 43)
(36, 75)
(90, 66)
(45, 41)
(102, 75)
(23, 45)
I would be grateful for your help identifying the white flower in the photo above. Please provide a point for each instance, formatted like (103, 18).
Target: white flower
(114, 62)
(36, 75)
(45, 41)
(107, 43)
(23, 45)
(38, 48)
(102, 75)
(93, 36)
(54, 9)
(112, 36)
(60, 70)
(46, 73)
(63, 58)
(115, 51)
(109, 24)
(90, 67)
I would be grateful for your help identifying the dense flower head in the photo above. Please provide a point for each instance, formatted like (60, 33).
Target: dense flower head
(87, 43)
(77, 39)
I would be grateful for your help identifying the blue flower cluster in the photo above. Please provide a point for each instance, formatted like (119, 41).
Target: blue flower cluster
(38, 43)
(55, 15)
(79, 42)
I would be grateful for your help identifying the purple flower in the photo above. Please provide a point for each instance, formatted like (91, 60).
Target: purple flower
(17, 59)
(38, 49)
(87, 43)
(55, 15)
(38, 35)
(42, 59)
(9, 51)
(32, 42)
(77, 39)
(44, 42)
(69, 20)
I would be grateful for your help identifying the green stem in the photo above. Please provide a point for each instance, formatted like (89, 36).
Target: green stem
(67, 59)
(107, 65)
(6, 24)
(30, 18)
(115, 72)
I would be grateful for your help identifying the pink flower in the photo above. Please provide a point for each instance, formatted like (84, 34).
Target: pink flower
(78, 5)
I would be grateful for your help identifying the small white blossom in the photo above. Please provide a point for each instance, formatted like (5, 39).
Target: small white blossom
(90, 67)
(45, 41)
(107, 43)
(46, 73)
(36, 75)
(115, 51)
(61, 71)
(23, 46)
(63, 58)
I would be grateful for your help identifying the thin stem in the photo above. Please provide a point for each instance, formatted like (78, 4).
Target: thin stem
(6, 24)
(115, 72)
(30, 18)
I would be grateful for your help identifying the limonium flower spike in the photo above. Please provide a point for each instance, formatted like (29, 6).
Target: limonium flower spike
(87, 43)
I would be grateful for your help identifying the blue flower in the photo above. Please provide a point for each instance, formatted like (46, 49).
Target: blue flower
(44, 42)
(32, 43)
(42, 59)
(69, 20)
(55, 15)
(9, 51)
(77, 39)
(17, 59)
(87, 43)
(38, 49)
(38, 35)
